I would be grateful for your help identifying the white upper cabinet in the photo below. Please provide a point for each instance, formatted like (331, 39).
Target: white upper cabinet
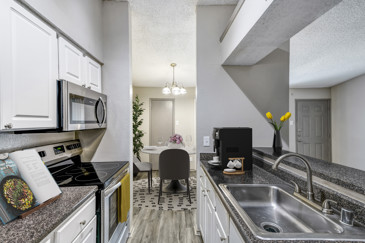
(93, 75)
(29, 70)
(71, 63)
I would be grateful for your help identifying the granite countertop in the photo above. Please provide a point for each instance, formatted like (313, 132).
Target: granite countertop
(347, 177)
(258, 175)
(39, 224)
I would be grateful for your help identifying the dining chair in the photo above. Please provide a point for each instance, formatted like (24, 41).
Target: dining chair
(174, 164)
(144, 167)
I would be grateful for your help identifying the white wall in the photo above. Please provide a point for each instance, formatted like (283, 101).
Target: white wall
(266, 85)
(184, 114)
(348, 123)
(302, 94)
(117, 83)
(81, 20)
(220, 102)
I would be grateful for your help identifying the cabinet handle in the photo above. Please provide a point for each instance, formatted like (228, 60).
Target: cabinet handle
(83, 222)
(84, 85)
(8, 126)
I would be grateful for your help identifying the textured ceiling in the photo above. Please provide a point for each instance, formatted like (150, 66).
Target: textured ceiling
(331, 50)
(164, 31)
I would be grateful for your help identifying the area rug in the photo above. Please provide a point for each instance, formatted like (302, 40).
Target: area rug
(168, 201)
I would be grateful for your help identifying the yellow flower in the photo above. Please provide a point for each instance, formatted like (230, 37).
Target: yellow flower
(282, 118)
(268, 115)
(287, 115)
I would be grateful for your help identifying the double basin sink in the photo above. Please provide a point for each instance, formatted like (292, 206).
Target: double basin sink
(272, 213)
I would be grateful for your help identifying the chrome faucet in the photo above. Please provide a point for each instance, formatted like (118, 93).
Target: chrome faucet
(310, 194)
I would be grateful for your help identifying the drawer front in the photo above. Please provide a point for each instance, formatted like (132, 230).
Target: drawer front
(76, 223)
(88, 234)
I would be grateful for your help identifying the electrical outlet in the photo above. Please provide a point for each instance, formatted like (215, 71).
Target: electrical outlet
(206, 141)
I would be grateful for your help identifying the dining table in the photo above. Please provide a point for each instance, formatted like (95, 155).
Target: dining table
(174, 186)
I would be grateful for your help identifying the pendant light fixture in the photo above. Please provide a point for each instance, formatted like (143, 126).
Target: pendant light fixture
(174, 87)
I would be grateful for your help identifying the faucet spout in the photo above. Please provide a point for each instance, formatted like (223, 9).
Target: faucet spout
(310, 194)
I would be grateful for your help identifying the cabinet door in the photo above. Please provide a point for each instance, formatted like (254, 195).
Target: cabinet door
(209, 217)
(71, 63)
(234, 235)
(219, 234)
(88, 234)
(29, 70)
(93, 75)
(202, 204)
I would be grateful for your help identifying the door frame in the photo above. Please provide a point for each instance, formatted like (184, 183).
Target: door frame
(329, 124)
(173, 114)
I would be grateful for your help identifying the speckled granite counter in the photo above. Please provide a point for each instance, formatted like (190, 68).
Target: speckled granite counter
(347, 177)
(257, 176)
(39, 224)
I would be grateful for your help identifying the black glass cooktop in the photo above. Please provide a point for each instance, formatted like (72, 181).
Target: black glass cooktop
(99, 174)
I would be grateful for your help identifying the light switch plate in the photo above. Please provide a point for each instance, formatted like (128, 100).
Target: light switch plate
(206, 141)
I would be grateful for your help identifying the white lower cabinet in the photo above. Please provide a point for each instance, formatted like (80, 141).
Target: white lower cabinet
(87, 235)
(80, 227)
(213, 218)
(76, 224)
(234, 234)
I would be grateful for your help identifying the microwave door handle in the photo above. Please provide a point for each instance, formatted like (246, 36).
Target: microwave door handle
(109, 191)
(100, 123)
(104, 108)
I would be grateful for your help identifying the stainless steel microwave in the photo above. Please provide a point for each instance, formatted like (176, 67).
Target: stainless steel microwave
(80, 108)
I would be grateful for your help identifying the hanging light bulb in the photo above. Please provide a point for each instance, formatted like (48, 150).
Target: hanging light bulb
(182, 90)
(166, 90)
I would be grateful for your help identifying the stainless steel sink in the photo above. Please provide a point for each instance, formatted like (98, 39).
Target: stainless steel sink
(272, 213)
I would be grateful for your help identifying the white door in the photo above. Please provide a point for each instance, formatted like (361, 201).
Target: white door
(29, 69)
(313, 128)
(71, 63)
(93, 74)
(161, 124)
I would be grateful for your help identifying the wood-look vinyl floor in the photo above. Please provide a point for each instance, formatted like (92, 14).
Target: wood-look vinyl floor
(159, 226)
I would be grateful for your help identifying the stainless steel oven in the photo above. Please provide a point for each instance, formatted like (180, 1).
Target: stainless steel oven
(114, 231)
(80, 108)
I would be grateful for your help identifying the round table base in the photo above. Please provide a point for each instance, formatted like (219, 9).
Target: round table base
(174, 186)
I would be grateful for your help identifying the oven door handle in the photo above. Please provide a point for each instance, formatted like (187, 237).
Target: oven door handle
(109, 191)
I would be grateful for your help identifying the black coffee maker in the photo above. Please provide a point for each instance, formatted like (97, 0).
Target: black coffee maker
(233, 142)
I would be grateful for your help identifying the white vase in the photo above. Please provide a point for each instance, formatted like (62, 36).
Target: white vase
(175, 145)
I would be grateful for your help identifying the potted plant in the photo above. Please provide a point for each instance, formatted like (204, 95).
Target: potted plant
(137, 122)
(277, 144)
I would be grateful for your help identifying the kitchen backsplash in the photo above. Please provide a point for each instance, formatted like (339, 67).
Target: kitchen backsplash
(12, 142)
